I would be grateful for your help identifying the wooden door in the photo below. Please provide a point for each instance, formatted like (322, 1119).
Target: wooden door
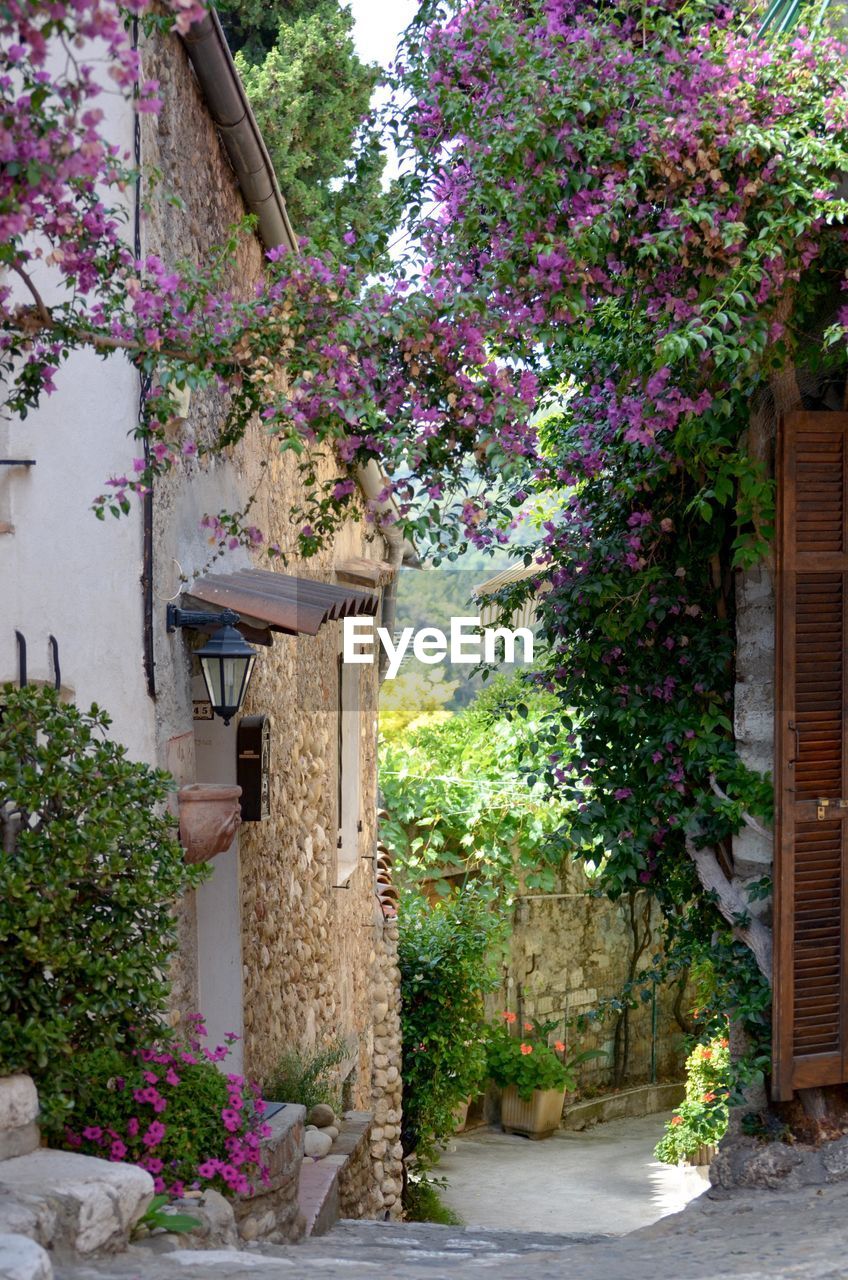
(811, 765)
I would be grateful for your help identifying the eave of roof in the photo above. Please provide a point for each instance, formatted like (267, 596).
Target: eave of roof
(228, 105)
(297, 606)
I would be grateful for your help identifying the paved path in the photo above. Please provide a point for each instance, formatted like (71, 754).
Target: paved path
(604, 1180)
(755, 1236)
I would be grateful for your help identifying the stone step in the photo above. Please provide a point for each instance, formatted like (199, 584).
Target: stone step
(318, 1194)
(70, 1203)
(349, 1255)
(23, 1259)
(429, 1237)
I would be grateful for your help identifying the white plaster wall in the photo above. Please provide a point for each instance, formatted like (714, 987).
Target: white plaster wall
(219, 957)
(62, 571)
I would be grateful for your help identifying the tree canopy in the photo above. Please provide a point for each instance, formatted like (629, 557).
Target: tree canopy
(311, 94)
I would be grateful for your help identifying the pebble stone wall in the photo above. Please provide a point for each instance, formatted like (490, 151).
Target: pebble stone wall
(319, 956)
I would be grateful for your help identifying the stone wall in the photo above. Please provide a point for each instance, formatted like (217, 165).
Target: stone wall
(386, 1083)
(317, 965)
(569, 952)
(272, 1213)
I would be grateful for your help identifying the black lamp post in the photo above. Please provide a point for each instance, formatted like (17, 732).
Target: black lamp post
(226, 659)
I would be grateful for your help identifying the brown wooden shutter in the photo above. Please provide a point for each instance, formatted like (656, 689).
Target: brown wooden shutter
(811, 766)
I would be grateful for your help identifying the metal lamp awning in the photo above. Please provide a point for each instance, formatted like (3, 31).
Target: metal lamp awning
(297, 606)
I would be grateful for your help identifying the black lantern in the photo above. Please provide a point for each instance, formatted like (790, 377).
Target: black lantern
(226, 659)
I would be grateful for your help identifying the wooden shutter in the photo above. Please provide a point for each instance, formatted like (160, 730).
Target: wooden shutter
(811, 766)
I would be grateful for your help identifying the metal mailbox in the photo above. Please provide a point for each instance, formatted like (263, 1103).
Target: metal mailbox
(253, 767)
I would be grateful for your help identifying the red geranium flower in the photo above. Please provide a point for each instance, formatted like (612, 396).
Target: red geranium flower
(526, 1048)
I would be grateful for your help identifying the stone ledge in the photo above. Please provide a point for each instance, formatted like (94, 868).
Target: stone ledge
(629, 1104)
(23, 1259)
(339, 1180)
(18, 1102)
(73, 1203)
(19, 1142)
(272, 1212)
(318, 1195)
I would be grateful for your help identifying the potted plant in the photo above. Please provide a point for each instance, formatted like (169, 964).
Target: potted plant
(532, 1074)
(699, 1123)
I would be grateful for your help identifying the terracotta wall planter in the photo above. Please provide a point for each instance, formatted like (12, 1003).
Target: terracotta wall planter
(538, 1118)
(210, 815)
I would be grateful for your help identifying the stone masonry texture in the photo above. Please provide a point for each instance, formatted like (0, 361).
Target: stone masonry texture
(319, 959)
(569, 952)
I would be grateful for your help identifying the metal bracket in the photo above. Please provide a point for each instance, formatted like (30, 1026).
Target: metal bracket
(823, 804)
(176, 617)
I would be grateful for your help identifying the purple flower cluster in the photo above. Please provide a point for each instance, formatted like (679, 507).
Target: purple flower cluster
(145, 1137)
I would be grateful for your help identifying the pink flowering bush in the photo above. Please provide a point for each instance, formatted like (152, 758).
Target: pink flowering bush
(169, 1109)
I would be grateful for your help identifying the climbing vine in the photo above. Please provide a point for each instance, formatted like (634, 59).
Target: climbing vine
(622, 220)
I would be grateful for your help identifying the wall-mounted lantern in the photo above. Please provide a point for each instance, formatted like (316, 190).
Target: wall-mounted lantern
(226, 659)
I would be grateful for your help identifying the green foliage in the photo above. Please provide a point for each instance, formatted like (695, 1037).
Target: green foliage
(89, 871)
(528, 1061)
(445, 955)
(701, 1119)
(104, 1086)
(308, 1077)
(310, 93)
(457, 796)
(413, 700)
(252, 26)
(423, 1203)
(168, 1108)
(157, 1218)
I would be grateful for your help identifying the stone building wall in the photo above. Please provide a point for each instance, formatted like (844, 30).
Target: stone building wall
(318, 957)
(568, 953)
(386, 1083)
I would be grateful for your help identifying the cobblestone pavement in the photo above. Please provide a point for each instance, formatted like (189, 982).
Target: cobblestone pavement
(801, 1235)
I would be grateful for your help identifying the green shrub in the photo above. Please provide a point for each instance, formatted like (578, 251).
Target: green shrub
(701, 1119)
(422, 1202)
(446, 963)
(169, 1109)
(89, 870)
(308, 1078)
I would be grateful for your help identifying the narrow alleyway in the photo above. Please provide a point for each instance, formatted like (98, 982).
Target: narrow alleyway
(753, 1236)
(604, 1180)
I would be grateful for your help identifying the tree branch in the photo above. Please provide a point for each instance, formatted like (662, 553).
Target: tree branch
(746, 817)
(40, 305)
(85, 338)
(733, 903)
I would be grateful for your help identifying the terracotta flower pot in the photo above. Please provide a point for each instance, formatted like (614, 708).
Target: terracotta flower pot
(705, 1154)
(538, 1118)
(210, 815)
(460, 1115)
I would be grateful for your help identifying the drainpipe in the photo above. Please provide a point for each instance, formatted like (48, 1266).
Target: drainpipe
(226, 99)
(372, 482)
